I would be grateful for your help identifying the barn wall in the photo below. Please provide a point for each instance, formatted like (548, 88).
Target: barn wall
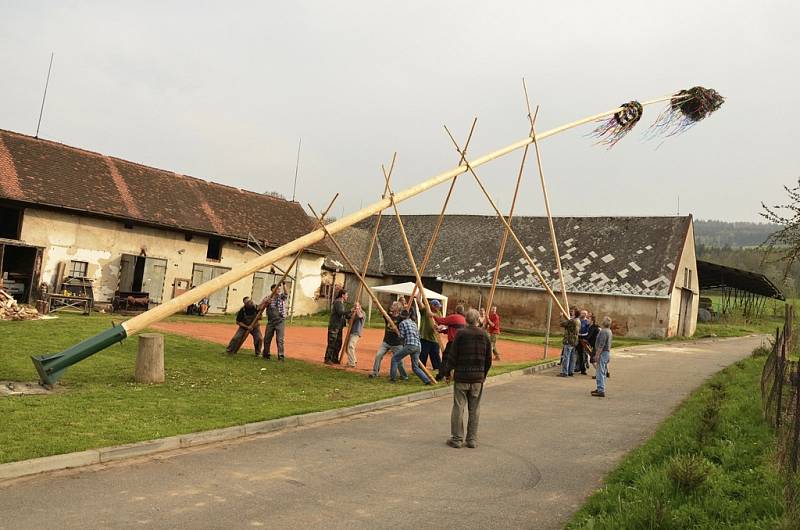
(101, 242)
(685, 279)
(527, 309)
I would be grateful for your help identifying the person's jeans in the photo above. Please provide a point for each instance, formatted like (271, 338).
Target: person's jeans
(376, 366)
(241, 332)
(567, 361)
(334, 345)
(465, 395)
(351, 349)
(278, 330)
(430, 348)
(602, 367)
(493, 340)
(397, 361)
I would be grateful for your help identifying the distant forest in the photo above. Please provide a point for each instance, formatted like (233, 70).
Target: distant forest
(737, 245)
(721, 234)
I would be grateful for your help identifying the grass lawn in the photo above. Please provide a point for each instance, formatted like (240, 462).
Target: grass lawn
(710, 465)
(100, 404)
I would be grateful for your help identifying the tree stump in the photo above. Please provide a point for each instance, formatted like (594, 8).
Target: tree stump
(150, 359)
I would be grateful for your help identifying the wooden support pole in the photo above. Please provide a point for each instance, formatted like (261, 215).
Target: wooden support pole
(146, 319)
(420, 287)
(553, 241)
(263, 306)
(365, 267)
(502, 250)
(435, 234)
(352, 266)
(511, 232)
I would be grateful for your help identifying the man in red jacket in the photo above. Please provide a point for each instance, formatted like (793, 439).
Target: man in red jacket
(454, 322)
(493, 327)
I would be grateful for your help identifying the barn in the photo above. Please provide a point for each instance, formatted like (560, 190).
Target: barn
(641, 271)
(99, 226)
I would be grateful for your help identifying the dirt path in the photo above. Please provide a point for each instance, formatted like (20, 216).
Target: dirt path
(308, 343)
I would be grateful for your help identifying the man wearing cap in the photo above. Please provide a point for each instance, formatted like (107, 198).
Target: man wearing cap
(454, 323)
(428, 335)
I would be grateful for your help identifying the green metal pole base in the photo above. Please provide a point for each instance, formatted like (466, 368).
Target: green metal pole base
(52, 367)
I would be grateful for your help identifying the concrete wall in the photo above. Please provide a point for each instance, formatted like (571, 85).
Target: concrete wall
(685, 279)
(101, 243)
(527, 309)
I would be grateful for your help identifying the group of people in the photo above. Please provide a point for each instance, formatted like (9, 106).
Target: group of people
(470, 348)
(247, 321)
(585, 343)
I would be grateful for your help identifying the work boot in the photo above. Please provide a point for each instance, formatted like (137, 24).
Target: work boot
(454, 444)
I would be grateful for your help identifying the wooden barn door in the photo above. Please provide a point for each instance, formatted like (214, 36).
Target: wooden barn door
(685, 314)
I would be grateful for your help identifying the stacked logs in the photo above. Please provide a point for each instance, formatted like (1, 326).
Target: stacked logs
(10, 310)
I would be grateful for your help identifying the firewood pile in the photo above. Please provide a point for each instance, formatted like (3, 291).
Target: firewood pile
(10, 310)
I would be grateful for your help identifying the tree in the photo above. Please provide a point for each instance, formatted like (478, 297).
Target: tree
(785, 243)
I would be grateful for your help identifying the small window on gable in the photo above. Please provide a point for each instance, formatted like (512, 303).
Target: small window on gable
(214, 251)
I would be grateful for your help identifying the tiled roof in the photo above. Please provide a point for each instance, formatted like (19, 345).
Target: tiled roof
(610, 255)
(355, 242)
(45, 173)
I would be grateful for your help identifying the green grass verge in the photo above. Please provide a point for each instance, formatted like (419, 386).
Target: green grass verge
(710, 465)
(100, 404)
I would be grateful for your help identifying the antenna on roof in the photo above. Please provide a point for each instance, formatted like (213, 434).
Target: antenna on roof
(296, 168)
(679, 204)
(44, 96)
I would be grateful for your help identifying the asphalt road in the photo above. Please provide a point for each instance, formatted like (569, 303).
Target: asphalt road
(544, 446)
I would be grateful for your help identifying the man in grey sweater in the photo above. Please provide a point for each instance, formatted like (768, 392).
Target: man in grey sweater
(602, 355)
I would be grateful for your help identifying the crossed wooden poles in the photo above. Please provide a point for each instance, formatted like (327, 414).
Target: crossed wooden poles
(51, 366)
(419, 270)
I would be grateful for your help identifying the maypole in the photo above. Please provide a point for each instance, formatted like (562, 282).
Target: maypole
(685, 109)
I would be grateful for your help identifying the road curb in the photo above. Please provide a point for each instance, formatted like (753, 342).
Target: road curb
(24, 468)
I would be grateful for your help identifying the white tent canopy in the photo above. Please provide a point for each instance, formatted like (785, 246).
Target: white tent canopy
(405, 289)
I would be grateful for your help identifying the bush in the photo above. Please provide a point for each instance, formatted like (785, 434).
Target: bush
(688, 472)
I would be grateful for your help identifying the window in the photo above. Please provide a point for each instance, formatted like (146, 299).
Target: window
(78, 269)
(214, 251)
(10, 222)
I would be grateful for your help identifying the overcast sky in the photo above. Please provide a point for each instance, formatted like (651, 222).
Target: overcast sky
(223, 90)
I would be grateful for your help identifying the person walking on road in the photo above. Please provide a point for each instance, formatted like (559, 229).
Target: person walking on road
(411, 347)
(469, 358)
(355, 334)
(602, 348)
(244, 318)
(338, 319)
(276, 320)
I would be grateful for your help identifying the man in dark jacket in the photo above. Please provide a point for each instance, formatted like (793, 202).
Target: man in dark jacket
(339, 317)
(244, 318)
(470, 358)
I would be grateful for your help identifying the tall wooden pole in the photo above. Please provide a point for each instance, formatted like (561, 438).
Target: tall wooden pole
(501, 252)
(262, 307)
(52, 366)
(553, 241)
(365, 268)
(435, 234)
(352, 266)
(413, 263)
(510, 231)
(162, 311)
